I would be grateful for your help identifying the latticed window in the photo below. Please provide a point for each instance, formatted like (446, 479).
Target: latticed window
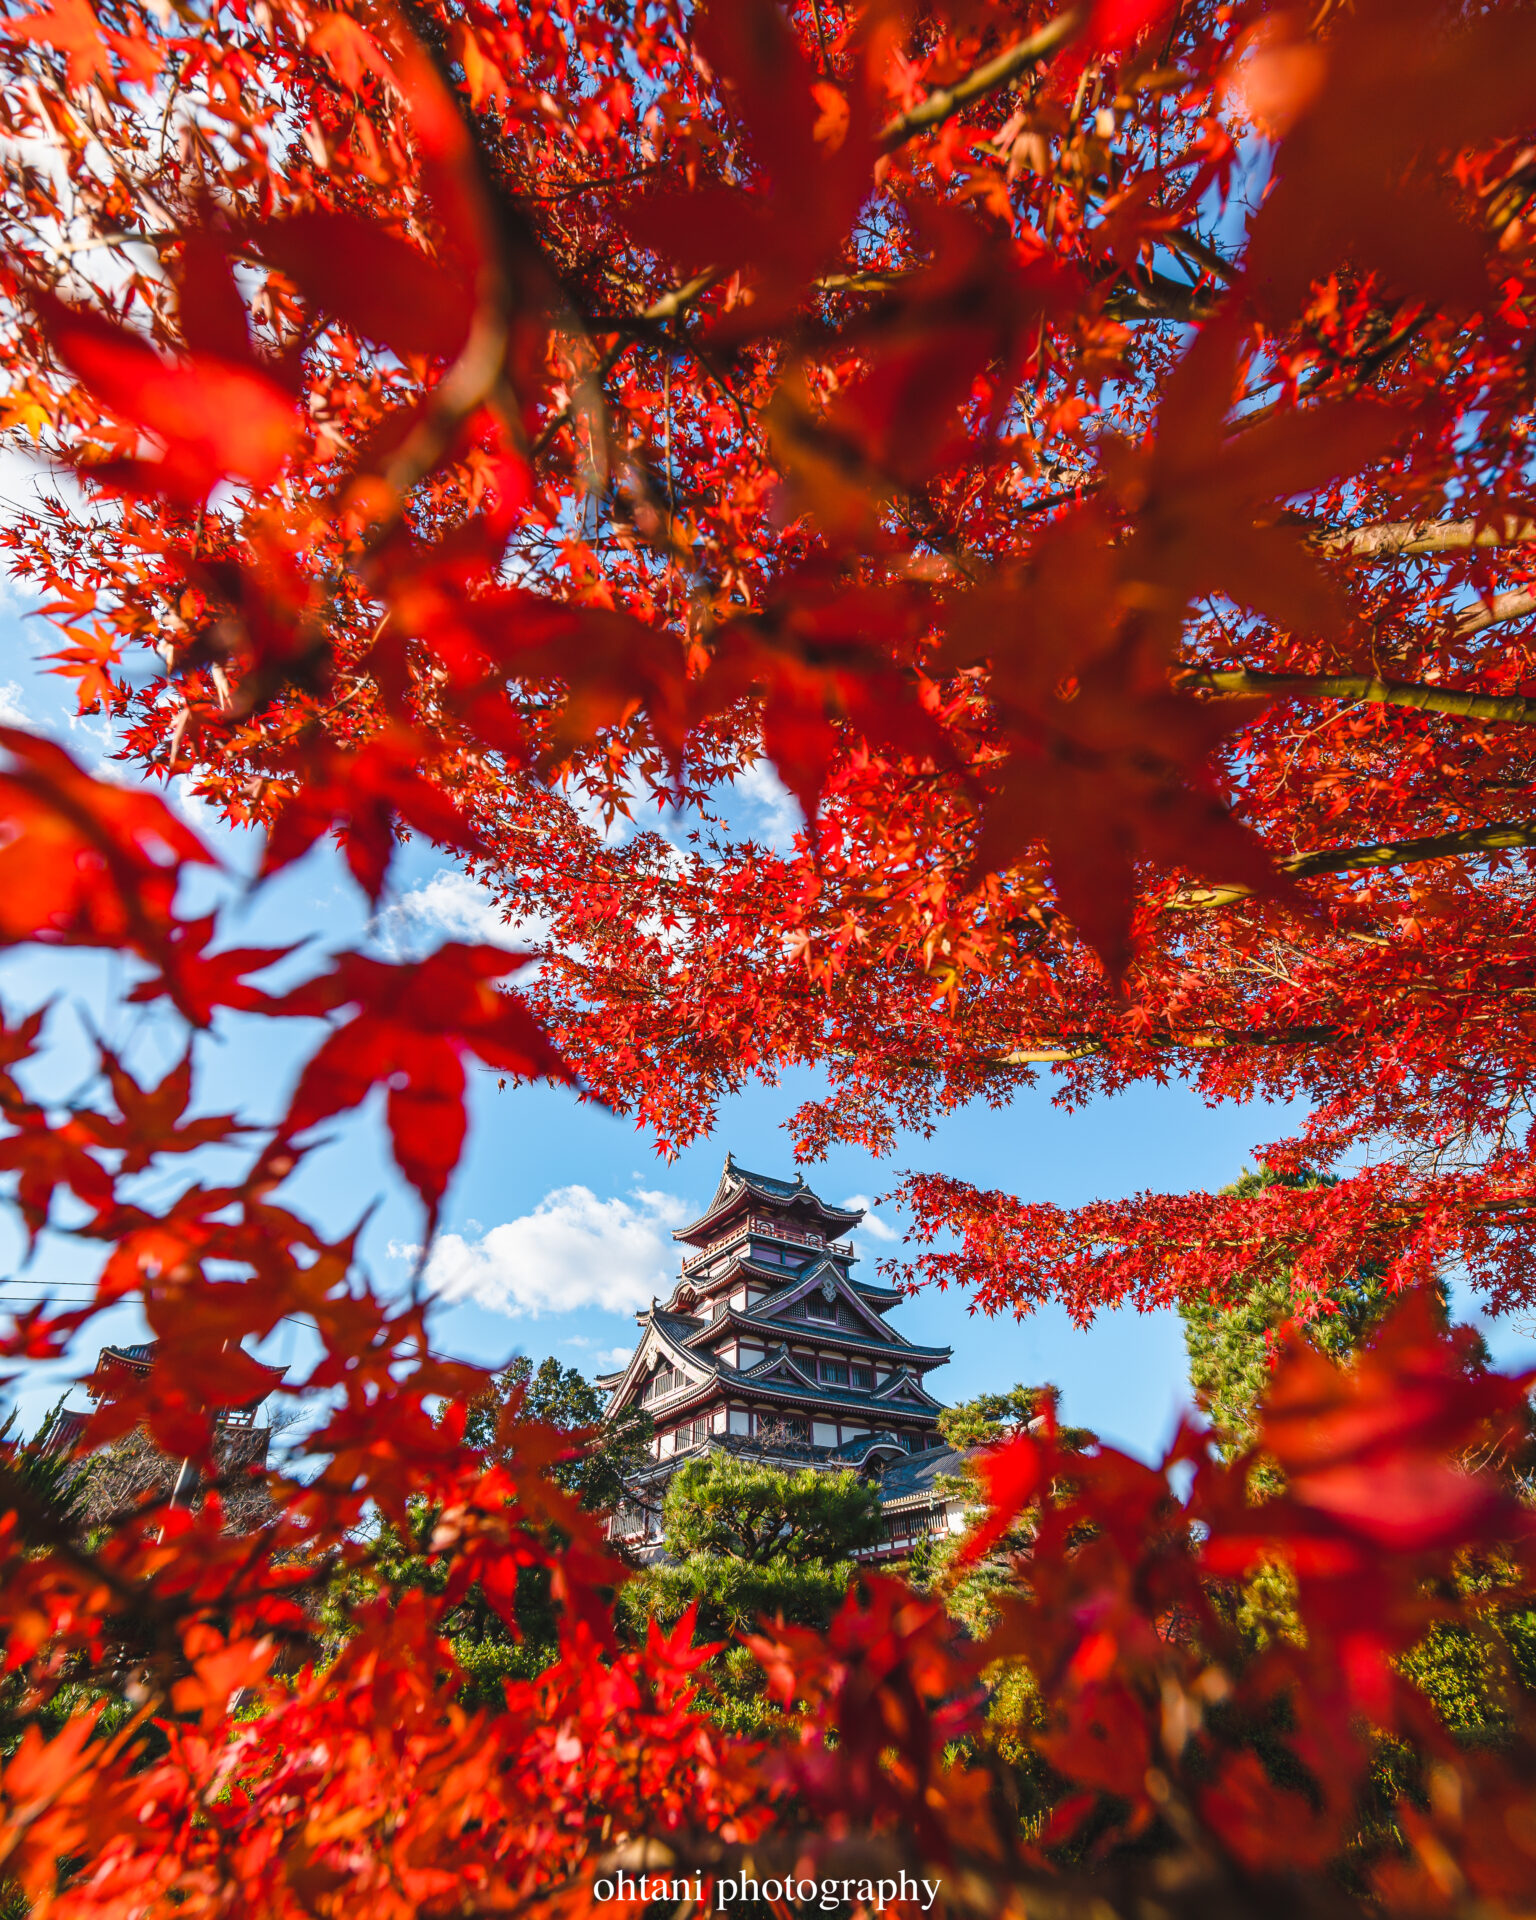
(835, 1372)
(821, 1309)
(663, 1381)
(862, 1376)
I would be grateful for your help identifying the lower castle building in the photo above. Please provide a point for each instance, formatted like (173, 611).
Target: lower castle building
(769, 1346)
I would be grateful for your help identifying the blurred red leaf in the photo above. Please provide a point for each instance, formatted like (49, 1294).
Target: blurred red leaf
(411, 1027)
(360, 796)
(380, 286)
(83, 862)
(213, 418)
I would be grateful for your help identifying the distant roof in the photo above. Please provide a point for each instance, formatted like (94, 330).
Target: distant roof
(139, 1358)
(918, 1473)
(735, 1181)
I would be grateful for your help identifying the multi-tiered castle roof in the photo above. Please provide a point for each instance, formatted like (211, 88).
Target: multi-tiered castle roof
(769, 1344)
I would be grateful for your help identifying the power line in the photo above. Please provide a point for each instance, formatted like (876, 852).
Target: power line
(124, 1300)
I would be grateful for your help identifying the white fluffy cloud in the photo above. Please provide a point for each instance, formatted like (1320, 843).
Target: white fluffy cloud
(776, 816)
(611, 1359)
(449, 906)
(599, 1359)
(572, 1251)
(872, 1224)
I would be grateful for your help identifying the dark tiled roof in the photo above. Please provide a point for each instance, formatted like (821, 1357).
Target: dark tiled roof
(139, 1357)
(795, 1283)
(680, 1326)
(735, 1180)
(917, 1473)
(784, 1188)
(855, 1398)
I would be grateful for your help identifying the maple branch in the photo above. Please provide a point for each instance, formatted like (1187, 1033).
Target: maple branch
(1501, 837)
(1513, 709)
(631, 330)
(1408, 539)
(1159, 298)
(987, 78)
(1203, 1039)
(1492, 613)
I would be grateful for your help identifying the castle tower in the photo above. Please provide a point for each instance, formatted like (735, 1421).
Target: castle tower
(768, 1345)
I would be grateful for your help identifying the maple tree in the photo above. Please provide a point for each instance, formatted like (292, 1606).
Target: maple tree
(1085, 453)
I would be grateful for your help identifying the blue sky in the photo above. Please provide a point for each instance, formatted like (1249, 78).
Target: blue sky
(558, 1225)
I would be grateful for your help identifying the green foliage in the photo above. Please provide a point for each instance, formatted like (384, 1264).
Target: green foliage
(486, 1647)
(1230, 1343)
(733, 1595)
(986, 1421)
(1467, 1668)
(564, 1398)
(994, 1417)
(748, 1541)
(743, 1510)
(47, 1482)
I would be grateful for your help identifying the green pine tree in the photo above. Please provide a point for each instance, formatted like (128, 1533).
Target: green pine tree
(1230, 1343)
(563, 1397)
(748, 1542)
(1467, 1675)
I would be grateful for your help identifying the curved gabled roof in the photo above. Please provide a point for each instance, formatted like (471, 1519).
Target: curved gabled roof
(671, 1333)
(740, 1266)
(140, 1359)
(810, 1281)
(672, 1338)
(820, 1331)
(738, 1181)
(906, 1386)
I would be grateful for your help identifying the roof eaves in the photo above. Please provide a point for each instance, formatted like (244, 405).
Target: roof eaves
(826, 1330)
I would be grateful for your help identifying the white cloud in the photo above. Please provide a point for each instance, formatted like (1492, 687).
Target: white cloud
(777, 817)
(13, 707)
(572, 1251)
(449, 906)
(872, 1224)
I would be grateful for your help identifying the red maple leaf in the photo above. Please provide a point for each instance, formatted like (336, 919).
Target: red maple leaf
(412, 1026)
(359, 796)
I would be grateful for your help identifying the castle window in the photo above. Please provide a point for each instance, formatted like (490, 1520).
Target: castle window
(863, 1377)
(663, 1381)
(835, 1372)
(821, 1309)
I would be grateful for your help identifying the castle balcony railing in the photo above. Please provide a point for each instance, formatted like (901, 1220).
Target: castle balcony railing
(754, 1224)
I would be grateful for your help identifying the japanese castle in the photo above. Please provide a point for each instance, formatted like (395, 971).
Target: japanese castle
(768, 1346)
